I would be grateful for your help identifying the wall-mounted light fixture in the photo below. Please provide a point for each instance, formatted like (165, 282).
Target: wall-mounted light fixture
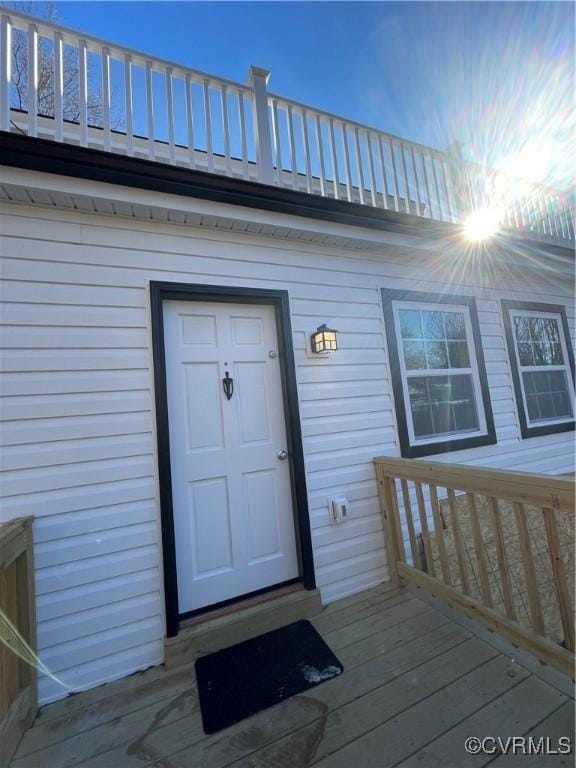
(324, 340)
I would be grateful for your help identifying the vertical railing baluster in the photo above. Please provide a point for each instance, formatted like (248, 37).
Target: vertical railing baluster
(371, 166)
(128, 104)
(430, 568)
(427, 185)
(406, 179)
(383, 169)
(226, 129)
(458, 542)
(398, 522)
(58, 87)
(208, 124)
(276, 137)
(451, 203)
(189, 120)
(320, 148)
(334, 161)
(243, 140)
(410, 523)
(416, 184)
(5, 71)
(306, 144)
(502, 558)
(150, 111)
(480, 550)
(437, 188)
(395, 174)
(106, 98)
(170, 115)
(535, 609)
(390, 524)
(292, 147)
(347, 162)
(32, 80)
(560, 582)
(439, 530)
(83, 90)
(359, 164)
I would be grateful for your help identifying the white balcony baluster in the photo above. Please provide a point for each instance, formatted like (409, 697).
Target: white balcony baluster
(150, 111)
(83, 91)
(5, 71)
(128, 104)
(106, 98)
(58, 87)
(170, 115)
(32, 80)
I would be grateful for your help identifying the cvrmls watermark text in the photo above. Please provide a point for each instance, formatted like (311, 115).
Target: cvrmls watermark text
(518, 745)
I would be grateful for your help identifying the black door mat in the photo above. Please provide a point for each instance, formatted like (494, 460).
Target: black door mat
(251, 676)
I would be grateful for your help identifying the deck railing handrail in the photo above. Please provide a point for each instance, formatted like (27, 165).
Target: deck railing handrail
(126, 101)
(495, 544)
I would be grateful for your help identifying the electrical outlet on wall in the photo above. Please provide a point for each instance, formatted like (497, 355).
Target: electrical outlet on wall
(338, 509)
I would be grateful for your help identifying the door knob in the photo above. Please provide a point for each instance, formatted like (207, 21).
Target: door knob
(282, 455)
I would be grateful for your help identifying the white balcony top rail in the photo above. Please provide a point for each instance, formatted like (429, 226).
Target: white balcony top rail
(62, 85)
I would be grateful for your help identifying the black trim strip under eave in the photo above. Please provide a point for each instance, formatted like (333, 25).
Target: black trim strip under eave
(20, 151)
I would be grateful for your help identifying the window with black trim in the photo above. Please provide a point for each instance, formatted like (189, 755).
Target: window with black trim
(542, 364)
(438, 372)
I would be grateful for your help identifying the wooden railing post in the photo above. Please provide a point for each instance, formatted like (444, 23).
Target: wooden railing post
(390, 533)
(18, 702)
(258, 81)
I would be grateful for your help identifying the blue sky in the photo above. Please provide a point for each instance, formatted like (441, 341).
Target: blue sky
(489, 74)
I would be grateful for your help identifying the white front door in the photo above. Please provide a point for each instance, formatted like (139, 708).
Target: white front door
(232, 501)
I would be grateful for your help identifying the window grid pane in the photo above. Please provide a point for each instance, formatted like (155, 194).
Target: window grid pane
(433, 339)
(442, 405)
(538, 341)
(539, 345)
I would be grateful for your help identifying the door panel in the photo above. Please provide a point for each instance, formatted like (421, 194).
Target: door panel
(232, 501)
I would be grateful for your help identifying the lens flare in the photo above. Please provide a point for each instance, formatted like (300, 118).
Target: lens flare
(482, 225)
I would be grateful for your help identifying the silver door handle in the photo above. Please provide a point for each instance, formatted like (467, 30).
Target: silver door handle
(282, 455)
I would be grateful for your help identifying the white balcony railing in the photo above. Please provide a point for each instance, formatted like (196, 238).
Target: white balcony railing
(67, 87)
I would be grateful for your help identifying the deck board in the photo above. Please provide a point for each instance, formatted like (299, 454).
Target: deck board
(415, 685)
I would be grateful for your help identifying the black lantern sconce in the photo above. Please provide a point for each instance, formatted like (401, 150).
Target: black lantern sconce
(324, 340)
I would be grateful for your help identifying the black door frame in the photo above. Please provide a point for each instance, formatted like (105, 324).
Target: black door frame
(164, 291)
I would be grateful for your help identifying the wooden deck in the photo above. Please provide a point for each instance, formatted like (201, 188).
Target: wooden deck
(416, 684)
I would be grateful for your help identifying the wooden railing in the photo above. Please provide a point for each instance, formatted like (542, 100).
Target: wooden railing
(497, 545)
(18, 698)
(69, 87)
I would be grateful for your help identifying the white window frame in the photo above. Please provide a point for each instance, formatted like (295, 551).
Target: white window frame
(513, 313)
(413, 372)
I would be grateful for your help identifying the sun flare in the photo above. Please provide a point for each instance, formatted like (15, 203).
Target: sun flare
(481, 225)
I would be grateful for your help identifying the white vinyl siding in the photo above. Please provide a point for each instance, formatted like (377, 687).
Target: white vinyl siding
(79, 447)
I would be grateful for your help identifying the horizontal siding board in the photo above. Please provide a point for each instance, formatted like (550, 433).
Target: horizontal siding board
(96, 569)
(65, 602)
(84, 521)
(72, 428)
(86, 622)
(60, 383)
(77, 382)
(55, 315)
(36, 480)
(102, 542)
(83, 497)
(104, 669)
(43, 294)
(76, 451)
(72, 404)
